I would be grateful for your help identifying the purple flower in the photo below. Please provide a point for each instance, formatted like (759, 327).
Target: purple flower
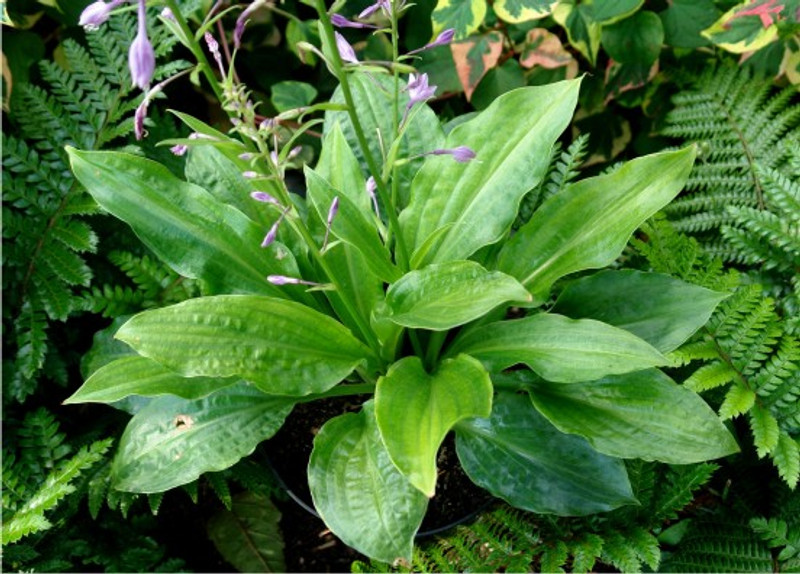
(213, 47)
(345, 49)
(418, 89)
(96, 13)
(167, 14)
(141, 56)
(242, 20)
(264, 197)
(139, 116)
(461, 154)
(249, 174)
(341, 22)
(179, 149)
(334, 209)
(445, 37)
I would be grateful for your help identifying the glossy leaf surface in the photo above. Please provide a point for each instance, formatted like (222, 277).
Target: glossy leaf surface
(660, 309)
(135, 375)
(517, 11)
(359, 493)
(512, 139)
(559, 349)
(351, 225)
(415, 411)
(517, 455)
(442, 296)
(587, 225)
(187, 227)
(172, 441)
(638, 415)
(283, 347)
(248, 535)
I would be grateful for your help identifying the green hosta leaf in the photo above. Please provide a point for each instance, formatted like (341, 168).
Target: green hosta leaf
(372, 97)
(660, 309)
(351, 225)
(442, 296)
(637, 415)
(588, 224)
(208, 167)
(356, 281)
(289, 95)
(359, 493)
(559, 349)
(189, 229)
(172, 441)
(283, 347)
(248, 535)
(517, 11)
(137, 375)
(738, 32)
(520, 457)
(635, 40)
(464, 16)
(416, 410)
(480, 198)
(338, 166)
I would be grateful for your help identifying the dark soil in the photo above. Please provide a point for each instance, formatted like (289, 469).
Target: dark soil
(310, 547)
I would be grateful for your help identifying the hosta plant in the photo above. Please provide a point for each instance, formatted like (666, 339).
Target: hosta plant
(396, 275)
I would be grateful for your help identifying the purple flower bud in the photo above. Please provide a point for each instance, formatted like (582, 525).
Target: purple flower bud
(445, 37)
(246, 156)
(267, 124)
(283, 280)
(334, 209)
(249, 174)
(418, 89)
(345, 49)
(213, 47)
(242, 20)
(461, 154)
(294, 152)
(179, 149)
(96, 13)
(141, 56)
(270, 237)
(273, 231)
(167, 14)
(139, 117)
(264, 197)
(371, 187)
(341, 22)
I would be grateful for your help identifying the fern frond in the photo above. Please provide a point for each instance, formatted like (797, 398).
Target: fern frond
(30, 517)
(786, 457)
(719, 546)
(677, 488)
(766, 432)
(740, 121)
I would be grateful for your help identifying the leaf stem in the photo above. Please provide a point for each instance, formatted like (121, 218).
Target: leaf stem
(196, 49)
(383, 191)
